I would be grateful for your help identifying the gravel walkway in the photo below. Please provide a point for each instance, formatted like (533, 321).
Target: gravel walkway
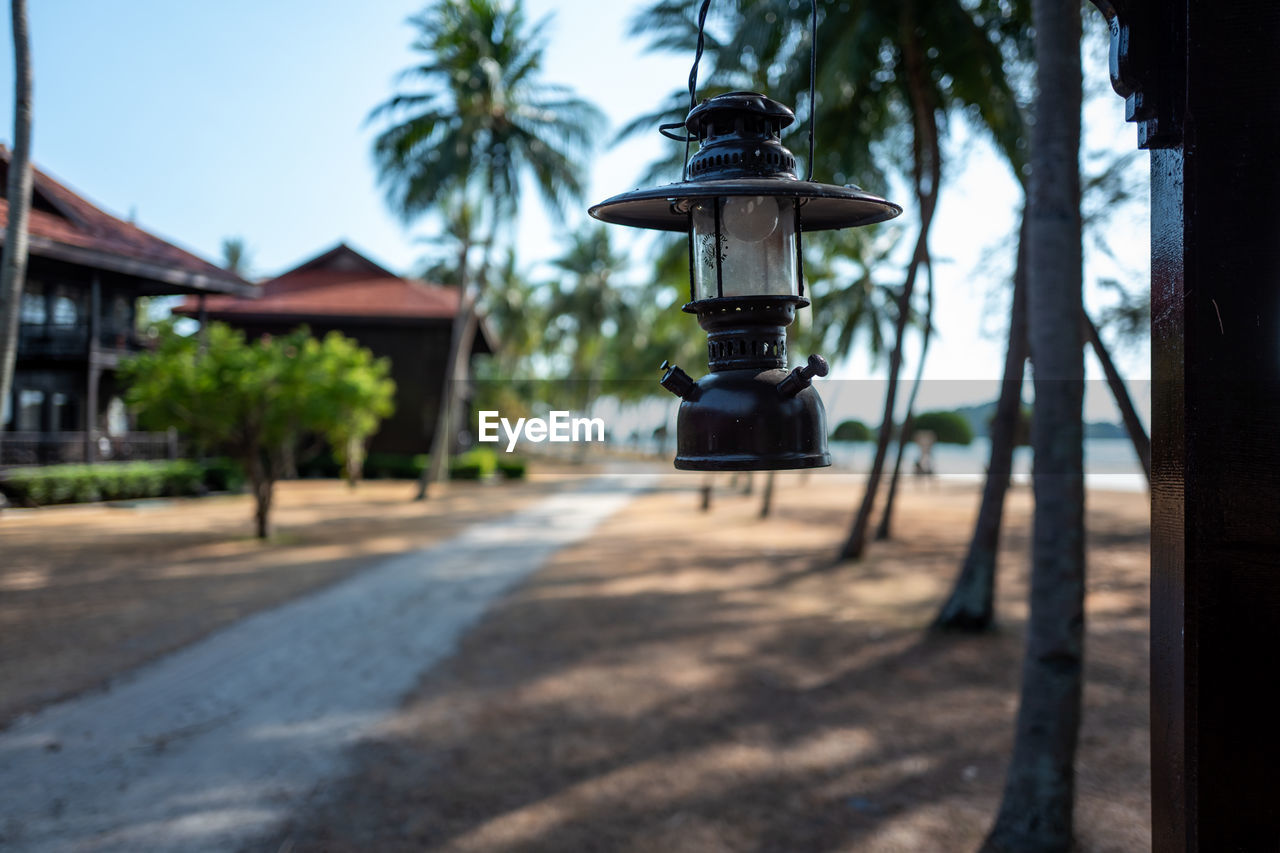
(212, 747)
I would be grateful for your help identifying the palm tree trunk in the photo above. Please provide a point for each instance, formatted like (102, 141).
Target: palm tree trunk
(1039, 795)
(886, 517)
(1132, 424)
(461, 338)
(928, 174)
(766, 501)
(442, 437)
(971, 605)
(13, 259)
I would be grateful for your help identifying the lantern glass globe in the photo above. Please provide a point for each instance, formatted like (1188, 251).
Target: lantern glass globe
(744, 246)
(750, 219)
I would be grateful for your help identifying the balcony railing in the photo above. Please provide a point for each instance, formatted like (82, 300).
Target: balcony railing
(52, 448)
(38, 340)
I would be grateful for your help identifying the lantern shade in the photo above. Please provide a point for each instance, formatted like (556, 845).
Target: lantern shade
(822, 206)
(743, 246)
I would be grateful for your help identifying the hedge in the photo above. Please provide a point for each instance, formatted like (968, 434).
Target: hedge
(852, 431)
(60, 484)
(949, 427)
(479, 463)
(512, 467)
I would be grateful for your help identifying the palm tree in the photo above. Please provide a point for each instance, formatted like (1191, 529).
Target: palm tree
(1036, 809)
(13, 260)
(883, 529)
(588, 309)
(235, 256)
(970, 607)
(475, 120)
(938, 42)
(459, 233)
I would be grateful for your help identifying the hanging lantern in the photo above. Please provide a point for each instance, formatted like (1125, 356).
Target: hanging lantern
(745, 211)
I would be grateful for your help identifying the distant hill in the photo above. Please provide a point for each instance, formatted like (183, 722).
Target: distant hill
(979, 417)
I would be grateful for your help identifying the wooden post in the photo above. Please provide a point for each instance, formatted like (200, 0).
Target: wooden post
(93, 369)
(1199, 79)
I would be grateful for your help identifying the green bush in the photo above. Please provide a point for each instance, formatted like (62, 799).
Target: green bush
(476, 464)
(321, 466)
(949, 427)
(223, 475)
(852, 431)
(59, 484)
(395, 466)
(512, 467)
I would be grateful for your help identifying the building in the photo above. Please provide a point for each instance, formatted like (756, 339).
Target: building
(86, 272)
(407, 321)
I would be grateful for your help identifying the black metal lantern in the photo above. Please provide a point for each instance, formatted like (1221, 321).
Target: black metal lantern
(745, 209)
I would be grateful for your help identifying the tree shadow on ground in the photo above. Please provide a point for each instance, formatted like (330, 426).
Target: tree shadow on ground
(684, 684)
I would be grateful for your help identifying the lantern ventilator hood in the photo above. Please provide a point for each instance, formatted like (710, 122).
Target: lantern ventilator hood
(744, 209)
(740, 155)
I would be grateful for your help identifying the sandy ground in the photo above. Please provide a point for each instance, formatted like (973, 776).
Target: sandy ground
(691, 682)
(213, 746)
(89, 592)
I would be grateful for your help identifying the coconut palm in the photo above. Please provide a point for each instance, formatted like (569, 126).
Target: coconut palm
(13, 259)
(478, 118)
(587, 309)
(474, 121)
(1036, 809)
(970, 607)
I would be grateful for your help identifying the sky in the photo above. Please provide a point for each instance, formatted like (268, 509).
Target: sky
(203, 121)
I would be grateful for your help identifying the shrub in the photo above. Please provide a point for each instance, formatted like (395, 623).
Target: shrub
(57, 484)
(852, 431)
(395, 466)
(223, 475)
(320, 466)
(512, 467)
(949, 427)
(476, 464)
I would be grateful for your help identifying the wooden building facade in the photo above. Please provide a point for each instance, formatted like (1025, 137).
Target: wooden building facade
(77, 319)
(409, 322)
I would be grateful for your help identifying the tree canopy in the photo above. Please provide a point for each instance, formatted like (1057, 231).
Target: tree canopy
(257, 400)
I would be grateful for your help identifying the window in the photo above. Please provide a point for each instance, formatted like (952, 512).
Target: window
(30, 404)
(65, 411)
(65, 310)
(120, 314)
(32, 312)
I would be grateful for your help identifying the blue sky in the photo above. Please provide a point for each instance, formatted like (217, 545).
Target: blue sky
(207, 120)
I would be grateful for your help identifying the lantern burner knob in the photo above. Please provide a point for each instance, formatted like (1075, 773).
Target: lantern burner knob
(678, 382)
(802, 377)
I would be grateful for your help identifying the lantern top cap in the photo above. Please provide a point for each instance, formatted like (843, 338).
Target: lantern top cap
(751, 103)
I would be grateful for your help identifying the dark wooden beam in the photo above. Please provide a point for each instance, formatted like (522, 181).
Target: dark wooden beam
(93, 368)
(1200, 80)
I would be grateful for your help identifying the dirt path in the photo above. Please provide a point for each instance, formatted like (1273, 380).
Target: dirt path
(689, 682)
(89, 592)
(212, 746)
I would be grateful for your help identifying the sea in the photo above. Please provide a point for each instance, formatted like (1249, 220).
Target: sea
(1110, 463)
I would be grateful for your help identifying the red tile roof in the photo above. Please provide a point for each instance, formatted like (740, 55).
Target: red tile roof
(66, 226)
(338, 283)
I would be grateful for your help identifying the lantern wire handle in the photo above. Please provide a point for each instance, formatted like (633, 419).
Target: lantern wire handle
(813, 78)
(668, 130)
